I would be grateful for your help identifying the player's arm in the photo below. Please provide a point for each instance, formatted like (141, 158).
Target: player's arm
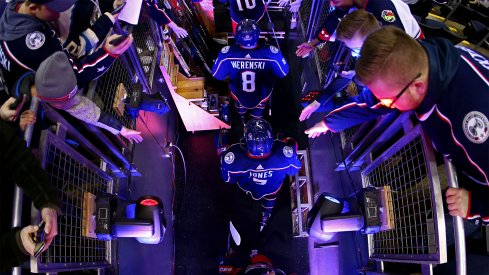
(220, 68)
(281, 66)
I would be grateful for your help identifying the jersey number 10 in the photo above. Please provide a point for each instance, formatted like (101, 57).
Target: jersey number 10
(250, 4)
(248, 81)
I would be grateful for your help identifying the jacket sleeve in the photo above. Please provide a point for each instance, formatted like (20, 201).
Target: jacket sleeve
(330, 25)
(156, 13)
(228, 158)
(478, 204)
(12, 254)
(86, 69)
(25, 169)
(354, 111)
(85, 110)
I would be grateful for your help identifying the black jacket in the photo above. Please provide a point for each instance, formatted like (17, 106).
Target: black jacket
(24, 169)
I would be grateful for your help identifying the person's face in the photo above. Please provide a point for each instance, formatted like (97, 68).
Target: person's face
(404, 97)
(45, 14)
(355, 44)
(341, 3)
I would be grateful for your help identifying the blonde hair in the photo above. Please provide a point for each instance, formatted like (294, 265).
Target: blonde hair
(358, 22)
(391, 54)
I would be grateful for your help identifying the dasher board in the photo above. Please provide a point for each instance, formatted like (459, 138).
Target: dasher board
(194, 118)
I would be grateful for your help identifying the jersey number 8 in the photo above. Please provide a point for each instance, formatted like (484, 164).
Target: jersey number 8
(248, 84)
(250, 4)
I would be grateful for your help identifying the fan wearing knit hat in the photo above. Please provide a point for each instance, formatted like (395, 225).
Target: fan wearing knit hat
(55, 83)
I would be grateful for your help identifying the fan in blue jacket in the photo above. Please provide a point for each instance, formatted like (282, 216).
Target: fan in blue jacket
(260, 168)
(448, 88)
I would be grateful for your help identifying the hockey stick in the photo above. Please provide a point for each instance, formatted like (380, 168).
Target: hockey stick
(271, 24)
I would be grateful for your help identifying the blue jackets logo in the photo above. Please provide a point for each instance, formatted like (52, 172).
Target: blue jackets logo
(288, 152)
(476, 127)
(35, 40)
(229, 158)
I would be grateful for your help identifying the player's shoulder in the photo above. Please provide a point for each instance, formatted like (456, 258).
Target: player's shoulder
(282, 149)
(229, 50)
(233, 153)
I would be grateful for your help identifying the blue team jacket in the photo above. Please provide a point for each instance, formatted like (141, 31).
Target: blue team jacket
(454, 114)
(259, 176)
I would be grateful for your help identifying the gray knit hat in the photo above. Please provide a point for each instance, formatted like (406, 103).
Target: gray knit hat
(55, 79)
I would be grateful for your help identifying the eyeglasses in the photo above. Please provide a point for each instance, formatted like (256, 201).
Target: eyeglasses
(389, 102)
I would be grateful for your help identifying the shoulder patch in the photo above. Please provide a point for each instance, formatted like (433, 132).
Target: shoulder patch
(288, 152)
(229, 158)
(273, 49)
(388, 16)
(476, 127)
(225, 49)
(35, 40)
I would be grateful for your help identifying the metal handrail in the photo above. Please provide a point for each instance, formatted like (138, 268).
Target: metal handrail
(458, 228)
(18, 192)
(55, 117)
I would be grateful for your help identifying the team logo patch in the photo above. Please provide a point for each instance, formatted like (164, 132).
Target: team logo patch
(229, 158)
(288, 152)
(476, 127)
(273, 49)
(388, 16)
(35, 40)
(225, 49)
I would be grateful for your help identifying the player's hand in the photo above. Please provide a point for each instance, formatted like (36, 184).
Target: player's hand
(50, 218)
(131, 135)
(317, 130)
(303, 50)
(27, 118)
(118, 49)
(347, 74)
(180, 32)
(283, 3)
(458, 201)
(25, 238)
(308, 110)
(6, 113)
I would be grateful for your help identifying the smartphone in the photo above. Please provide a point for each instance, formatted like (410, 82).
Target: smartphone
(39, 240)
(118, 9)
(118, 40)
(17, 105)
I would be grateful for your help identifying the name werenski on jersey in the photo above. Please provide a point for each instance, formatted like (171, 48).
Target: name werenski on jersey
(261, 175)
(252, 65)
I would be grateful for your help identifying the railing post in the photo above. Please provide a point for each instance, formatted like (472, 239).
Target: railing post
(18, 193)
(458, 226)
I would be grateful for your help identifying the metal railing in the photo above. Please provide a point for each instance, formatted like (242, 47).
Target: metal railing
(72, 174)
(410, 169)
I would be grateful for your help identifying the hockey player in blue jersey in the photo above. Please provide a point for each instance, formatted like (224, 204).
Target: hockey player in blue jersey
(252, 69)
(260, 168)
(245, 9)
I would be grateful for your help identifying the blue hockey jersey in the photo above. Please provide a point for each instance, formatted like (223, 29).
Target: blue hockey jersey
(259, 176)
(246, 9)
(387, 12)
(252, 72)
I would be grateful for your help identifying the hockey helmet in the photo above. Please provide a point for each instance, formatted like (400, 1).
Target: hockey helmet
(259, 137)
(247, 33)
